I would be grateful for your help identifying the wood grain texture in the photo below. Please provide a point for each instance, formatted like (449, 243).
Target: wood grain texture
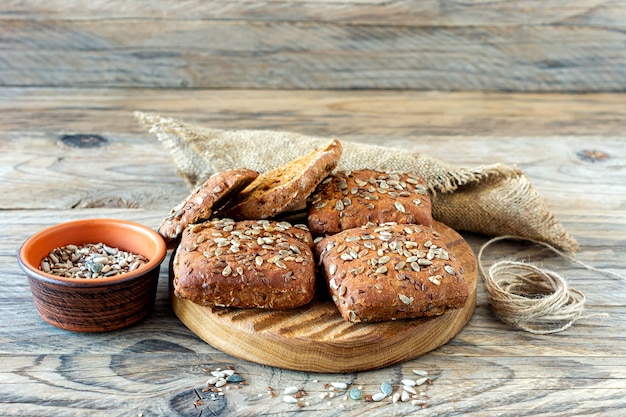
(131, 169)
(451, 46)
(160, 56)
(147, 177)
(373, 12)
(571, 146)
(367, 114)
(156, 367)
(317, 339)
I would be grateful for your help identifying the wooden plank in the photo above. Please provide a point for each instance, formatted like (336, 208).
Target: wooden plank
(488, 368)
(127, 174)
(372, 12)
(96, 384)
(402, 117)
(462, 129)
(293, 55)
(145, 175)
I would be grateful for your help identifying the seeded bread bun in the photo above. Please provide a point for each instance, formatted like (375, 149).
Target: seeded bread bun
(202, 203)
(287, 187)
(391, 271)
(349, 199)
(247, 264)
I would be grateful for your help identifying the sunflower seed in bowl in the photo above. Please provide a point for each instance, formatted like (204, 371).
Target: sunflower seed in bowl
(91, 260)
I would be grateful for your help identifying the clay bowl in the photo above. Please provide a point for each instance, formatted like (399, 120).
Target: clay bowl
(97, 304)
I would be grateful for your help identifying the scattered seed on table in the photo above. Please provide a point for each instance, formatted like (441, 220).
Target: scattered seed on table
(355, 394)
(234, 378)
(421, 381)
(405, 396)
(386, 388)
(290, 399)
(409, 389)
(291, 390)
(379, 396)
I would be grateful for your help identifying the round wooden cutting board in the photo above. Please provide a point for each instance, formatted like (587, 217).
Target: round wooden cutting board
(316, 338)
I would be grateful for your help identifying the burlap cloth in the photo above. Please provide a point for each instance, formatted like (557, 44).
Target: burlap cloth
(494, 200)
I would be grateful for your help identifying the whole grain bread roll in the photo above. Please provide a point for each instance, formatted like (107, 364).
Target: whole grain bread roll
(246, 264)
(205, 200)
(287, 187)
(391, 271)
(349, 199)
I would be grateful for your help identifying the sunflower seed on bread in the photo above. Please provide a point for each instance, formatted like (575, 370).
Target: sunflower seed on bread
(203, 202)
(245, 264)
(348, 199)
(391, 271)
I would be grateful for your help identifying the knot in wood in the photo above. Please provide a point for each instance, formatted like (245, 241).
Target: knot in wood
(84, 140)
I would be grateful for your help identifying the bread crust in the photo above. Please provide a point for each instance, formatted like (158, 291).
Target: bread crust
(203, 202)
(247, 264)
(286, 187)
(388, 272)
(349, 199)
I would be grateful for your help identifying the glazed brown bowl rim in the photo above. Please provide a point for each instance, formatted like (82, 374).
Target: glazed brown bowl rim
(154, 261)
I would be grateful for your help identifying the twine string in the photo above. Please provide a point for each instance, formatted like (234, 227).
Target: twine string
(534, 299)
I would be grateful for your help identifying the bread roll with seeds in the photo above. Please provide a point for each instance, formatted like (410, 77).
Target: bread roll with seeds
(391, 271)
(247, 264)
(287, 187)
(349, 199)
(205, 200)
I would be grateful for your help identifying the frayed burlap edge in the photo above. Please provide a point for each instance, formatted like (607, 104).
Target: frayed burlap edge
(494, 200)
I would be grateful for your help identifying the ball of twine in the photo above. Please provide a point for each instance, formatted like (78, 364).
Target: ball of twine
(536, 300)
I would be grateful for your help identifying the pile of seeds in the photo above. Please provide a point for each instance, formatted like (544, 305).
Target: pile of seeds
(90, 261)
(222, 379)
(293, 395)
(409, 390)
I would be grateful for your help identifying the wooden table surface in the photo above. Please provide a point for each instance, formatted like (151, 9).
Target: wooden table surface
(539, 86)
(156, 367)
